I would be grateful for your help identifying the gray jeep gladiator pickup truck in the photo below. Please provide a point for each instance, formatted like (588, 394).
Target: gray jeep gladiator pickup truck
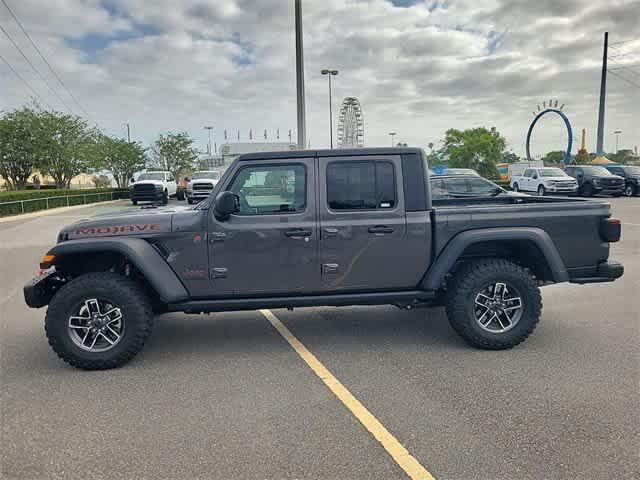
(319, 228)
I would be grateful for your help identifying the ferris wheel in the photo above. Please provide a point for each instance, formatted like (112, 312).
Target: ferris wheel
(350, 124)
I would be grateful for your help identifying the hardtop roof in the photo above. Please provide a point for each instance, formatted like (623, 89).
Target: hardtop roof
(339, 152)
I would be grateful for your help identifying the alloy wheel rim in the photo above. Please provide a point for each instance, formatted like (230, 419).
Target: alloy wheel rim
(628, 191)
(497, 307)
(96, 326)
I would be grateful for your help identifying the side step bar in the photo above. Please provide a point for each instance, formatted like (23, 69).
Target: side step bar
(404, 299)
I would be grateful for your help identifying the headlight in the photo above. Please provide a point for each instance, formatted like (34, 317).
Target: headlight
(595, 181)
(159, 187)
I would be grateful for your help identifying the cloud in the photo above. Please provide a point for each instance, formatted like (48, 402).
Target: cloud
(418, 67)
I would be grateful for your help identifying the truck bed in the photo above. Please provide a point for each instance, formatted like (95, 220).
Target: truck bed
(572, 223)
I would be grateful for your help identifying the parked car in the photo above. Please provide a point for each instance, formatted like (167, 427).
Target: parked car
(631, 175)
(594, 179)
(153, 187)
(544, 180)
(459, 186)
(201, 185)
(316, 228)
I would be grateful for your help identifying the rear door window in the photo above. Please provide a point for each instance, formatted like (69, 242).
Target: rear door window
(361, 185)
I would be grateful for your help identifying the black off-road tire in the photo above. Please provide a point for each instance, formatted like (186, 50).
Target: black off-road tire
(541, 191)
(165, 197)
(470, 280)
(119, 291)
(134, 202)
(515, 187)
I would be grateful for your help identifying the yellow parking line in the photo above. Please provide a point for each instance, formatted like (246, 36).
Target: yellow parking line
(402, 457)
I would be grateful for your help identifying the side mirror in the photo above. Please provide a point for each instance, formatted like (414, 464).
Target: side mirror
(225, 204)
(132, 180)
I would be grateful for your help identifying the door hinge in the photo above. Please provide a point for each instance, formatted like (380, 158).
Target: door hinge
(218, 272)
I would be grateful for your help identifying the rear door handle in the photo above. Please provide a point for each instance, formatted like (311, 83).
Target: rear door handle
(330, 231)
(298, 232)
(380, 229)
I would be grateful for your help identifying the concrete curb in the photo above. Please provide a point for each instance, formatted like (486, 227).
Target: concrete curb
(51, 211)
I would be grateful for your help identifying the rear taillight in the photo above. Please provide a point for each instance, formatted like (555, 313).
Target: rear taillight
(610, 229)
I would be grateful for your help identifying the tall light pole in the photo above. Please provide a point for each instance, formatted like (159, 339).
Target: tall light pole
(603, 94)
(302, 124)
(330, 73)
(393, 136)
(209, 144)
(617, 134)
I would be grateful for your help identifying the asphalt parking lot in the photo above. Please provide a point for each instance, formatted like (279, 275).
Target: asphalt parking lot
(225, 396)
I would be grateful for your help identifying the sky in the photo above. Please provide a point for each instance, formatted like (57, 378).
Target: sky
(417, 67)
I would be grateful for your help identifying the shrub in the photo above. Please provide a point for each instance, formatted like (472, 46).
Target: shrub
(39, 198)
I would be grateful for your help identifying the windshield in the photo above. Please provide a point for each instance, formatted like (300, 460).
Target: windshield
(596, 171)
(633, 170)
(469, 186)
(211, 175)
(151, 176)
(552, 172)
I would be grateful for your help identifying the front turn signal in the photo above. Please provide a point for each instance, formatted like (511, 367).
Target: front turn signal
(47, 261)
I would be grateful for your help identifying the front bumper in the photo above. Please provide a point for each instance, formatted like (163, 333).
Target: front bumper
(39, 291)
(151, 196)
(609, 190)
(567, 190)
(605, 272)
(198, 194)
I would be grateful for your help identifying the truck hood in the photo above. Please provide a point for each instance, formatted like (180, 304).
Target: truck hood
(143, 222)
(559, 179)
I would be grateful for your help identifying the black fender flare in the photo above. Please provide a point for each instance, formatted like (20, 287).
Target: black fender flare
(435, 276)
(140, 253)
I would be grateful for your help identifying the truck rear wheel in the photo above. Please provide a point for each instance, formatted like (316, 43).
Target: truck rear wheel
(493, 304)
(98, 321)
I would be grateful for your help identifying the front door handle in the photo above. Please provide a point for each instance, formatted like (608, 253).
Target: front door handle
(380, 229)
(297, 233)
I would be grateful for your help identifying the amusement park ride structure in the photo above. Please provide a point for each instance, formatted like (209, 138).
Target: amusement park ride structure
(350, 124)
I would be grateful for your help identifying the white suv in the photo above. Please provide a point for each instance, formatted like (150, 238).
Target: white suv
(153, 187)
(201, 185)
(544, 180)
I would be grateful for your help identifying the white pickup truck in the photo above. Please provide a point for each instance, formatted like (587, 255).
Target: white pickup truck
(543, 180)
(154, 187)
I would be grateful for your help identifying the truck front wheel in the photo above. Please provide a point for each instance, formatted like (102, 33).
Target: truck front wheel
(98, 321)
(493, 304)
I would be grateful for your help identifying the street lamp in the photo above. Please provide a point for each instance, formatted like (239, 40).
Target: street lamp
(393, 136)
(209, 144)
(617, 134)
(330, 73)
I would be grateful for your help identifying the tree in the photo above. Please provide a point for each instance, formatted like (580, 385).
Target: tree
(510, 157)
(20, 149)
(173, 152)
(120, 157)
(554, 158)
(68, 146)
(476, 148)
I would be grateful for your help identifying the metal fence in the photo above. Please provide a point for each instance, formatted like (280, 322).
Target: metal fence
(106, 196)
